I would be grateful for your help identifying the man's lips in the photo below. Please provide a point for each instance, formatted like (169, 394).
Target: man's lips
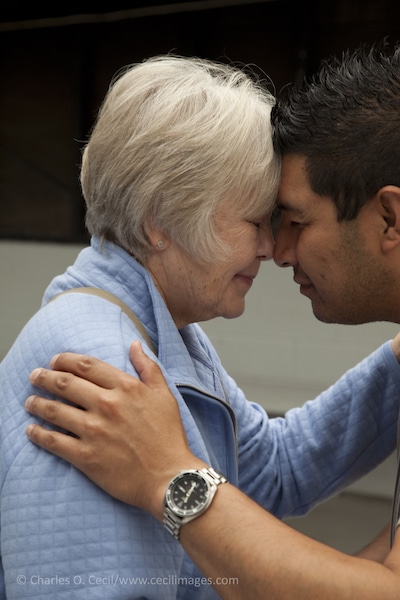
(306, 289)
(305, 284)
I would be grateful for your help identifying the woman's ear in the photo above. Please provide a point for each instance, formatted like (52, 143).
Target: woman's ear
(389, 198)
(157, 238)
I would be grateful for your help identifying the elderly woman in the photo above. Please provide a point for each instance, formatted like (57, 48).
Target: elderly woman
(179, 177)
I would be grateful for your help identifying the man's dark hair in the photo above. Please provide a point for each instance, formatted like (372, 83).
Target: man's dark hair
(345, 121)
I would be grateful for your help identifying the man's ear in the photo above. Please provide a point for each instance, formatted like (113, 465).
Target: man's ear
(389, 198)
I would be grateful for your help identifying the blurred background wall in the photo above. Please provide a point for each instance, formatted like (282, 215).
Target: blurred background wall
(55, 68)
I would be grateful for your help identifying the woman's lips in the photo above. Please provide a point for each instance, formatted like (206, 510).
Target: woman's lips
(247, 279)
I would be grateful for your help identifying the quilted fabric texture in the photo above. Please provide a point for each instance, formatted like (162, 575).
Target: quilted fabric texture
(62, 537)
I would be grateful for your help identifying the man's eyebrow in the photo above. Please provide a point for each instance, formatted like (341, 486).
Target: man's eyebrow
(282, 206)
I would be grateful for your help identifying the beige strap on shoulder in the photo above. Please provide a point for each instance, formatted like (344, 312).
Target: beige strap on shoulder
(115, 300)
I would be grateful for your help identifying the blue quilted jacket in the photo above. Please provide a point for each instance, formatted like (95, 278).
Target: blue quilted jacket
(62, 537)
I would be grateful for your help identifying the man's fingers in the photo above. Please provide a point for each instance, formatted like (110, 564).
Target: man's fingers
(57, 443)
(97, 372)
(87, 367)
(68, 386)
(148, 371)
(54, 412)
(81, 379)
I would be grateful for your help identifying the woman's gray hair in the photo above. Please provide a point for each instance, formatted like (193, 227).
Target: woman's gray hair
(175, 138)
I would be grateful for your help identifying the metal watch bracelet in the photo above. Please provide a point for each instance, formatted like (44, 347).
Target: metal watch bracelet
(173, 522)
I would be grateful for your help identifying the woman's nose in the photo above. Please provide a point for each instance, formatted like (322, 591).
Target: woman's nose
(285, 249)
(267, 245)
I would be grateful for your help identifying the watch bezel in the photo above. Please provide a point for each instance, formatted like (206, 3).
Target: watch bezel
(189, 512)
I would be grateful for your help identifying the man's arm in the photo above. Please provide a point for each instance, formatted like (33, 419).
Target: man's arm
(343, 433)
(396, 346)
(242, 549)
(379, 548)
(235, 538)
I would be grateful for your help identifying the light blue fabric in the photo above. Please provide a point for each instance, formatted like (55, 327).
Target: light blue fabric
(62, 537)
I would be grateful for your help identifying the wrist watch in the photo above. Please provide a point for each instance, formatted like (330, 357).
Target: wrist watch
(188, 496)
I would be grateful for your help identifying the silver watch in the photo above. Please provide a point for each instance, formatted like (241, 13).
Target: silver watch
(188, 496)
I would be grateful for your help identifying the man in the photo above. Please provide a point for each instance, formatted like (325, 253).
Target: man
(339, 136)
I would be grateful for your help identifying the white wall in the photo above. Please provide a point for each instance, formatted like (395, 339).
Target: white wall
(278, 352)
(26, 268)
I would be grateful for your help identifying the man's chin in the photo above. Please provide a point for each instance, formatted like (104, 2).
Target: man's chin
(326, 314)
(323, 318)
(338, 318)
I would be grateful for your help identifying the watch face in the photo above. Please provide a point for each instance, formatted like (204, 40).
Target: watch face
(188, 494)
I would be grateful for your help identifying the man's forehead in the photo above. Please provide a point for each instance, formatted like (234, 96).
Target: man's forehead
(305, 204)
(295, 194)
(294, 191)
